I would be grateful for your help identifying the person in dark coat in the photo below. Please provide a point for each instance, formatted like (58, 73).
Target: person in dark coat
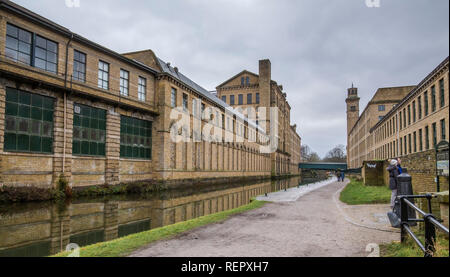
(393, 184)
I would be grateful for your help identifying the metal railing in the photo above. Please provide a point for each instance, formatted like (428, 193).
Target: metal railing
(430, 221)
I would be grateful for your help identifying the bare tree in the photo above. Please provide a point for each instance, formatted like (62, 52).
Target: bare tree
(337, 154)
(308, 155)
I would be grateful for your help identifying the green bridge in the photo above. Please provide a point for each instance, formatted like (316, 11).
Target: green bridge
(323, 166)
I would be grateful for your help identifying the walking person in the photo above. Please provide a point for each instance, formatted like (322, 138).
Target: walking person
(393, 184)
(342, 176)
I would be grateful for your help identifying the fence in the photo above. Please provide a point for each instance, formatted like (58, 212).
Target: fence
(431, 223)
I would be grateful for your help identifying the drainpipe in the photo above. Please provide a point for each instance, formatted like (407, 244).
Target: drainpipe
(65, 103)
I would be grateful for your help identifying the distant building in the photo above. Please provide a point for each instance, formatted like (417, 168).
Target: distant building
(406, 122)
(250, 90)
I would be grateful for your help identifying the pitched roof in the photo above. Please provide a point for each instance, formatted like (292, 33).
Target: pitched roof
(235, 76)
(168, 69)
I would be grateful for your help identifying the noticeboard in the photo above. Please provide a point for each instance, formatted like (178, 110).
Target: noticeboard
(442, 159)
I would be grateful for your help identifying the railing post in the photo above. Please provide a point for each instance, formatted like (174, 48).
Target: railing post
(403, 218)
(430, 236)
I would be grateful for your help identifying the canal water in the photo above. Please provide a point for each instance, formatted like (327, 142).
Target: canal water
(42, 229)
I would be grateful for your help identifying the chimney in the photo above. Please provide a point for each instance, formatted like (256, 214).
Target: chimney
(265, 77)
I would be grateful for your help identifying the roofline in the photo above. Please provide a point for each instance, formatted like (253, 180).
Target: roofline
(371, 102)
(413, 92)
(243, 71)
(37, 19)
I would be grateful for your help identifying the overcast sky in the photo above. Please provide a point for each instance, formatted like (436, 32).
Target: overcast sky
(317, 47)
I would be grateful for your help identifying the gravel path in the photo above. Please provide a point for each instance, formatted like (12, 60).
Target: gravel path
(315, 225)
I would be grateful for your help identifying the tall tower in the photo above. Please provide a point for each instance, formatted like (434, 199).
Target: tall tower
(352, 116)
(352, 108)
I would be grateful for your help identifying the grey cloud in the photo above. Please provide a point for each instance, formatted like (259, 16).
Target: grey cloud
(317, 47)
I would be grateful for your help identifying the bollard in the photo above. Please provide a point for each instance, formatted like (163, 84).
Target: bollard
(405, 188)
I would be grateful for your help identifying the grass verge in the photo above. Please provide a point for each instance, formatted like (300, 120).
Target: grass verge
(410, 248)
(126, 245)
(356, 193)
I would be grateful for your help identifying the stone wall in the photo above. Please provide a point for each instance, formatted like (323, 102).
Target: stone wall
(422, 168)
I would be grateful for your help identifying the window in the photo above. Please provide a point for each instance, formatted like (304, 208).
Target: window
(406, 145)
(420, 140)
(28, 122)
(427, 138)
(18, 44)
(124, 82)
(443, 137)
(249, 98)
(419, 100)
(103, 75)
(415, 141)
(247, 81)
(224, 98)
(185, 102)
(425, 96)
(203, 107)
(79, 66)
(142, 89)
(401, 146)
(241, 99)
(433, 98)
(89, 131)
(257, 98)
(401, 122)
(414, 110)
(135, 138)
(173, 98)
(380, 117)
(381, 108)
(434, 135)
(442, 92)
(45, 54)
(242, 81)
(353, 108)
(409, 114)
(404, 117)
(231, 99)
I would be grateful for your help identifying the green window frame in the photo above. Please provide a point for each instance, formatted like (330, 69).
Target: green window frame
(425, 95)
(89, 131)
(135, 138)
(28, 122)
(427, 138)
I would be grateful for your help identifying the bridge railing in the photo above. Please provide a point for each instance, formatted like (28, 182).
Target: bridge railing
(431, 223)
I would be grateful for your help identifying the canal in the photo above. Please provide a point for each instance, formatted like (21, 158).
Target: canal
(42, 229)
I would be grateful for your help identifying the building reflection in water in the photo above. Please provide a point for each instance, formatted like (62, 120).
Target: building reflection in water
(42, 229)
